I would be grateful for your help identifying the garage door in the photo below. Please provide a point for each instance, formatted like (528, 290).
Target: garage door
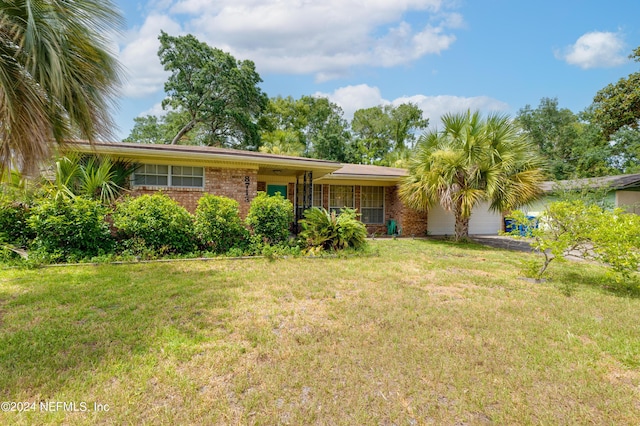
(483, 221)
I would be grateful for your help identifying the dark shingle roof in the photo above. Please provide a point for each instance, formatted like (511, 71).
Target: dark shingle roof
(612, 182)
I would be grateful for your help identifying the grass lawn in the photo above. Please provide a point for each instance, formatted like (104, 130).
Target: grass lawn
(425, 333)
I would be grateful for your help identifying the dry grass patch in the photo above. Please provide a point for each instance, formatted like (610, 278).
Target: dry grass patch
(425, 333)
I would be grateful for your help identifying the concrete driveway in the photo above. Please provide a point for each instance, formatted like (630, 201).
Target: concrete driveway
(499, 241)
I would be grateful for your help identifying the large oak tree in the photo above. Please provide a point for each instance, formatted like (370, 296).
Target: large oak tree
(219, 94)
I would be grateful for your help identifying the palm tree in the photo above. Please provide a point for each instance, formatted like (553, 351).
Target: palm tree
(98, 178)
(283, 142)
(57, 76)
(472, 160)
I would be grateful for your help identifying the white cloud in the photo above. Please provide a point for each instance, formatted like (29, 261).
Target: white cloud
(327, 39)
(139, 56)
(352, 98)
(156, 110)
(595, 50)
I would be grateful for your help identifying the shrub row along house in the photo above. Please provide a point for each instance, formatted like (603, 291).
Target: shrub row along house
(185, 173)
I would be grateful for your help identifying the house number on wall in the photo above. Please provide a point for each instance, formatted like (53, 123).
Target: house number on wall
(247, 181)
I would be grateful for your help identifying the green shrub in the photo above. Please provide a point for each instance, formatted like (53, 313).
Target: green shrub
(13, 222)
(331, 231)
(69, 229)
(157, 222)
(218, 224)
(269, 217)
(581, 228)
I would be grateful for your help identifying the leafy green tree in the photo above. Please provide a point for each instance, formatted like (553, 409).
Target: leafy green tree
(581, 227)
(625, 144)
(218, 93)
(316, 123)
(554, 131)
(147, 129)
(57, 76)
(618, 105)
(470, 160)
(162, 129)
(381, 130)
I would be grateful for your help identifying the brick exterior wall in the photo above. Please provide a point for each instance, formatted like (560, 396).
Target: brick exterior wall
(410, 222)
(229, 183)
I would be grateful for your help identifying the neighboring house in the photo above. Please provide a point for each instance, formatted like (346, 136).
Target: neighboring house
(185, 173)
(620, 191)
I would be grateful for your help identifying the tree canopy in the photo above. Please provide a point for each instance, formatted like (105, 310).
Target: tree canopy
(383, 130)
(219, 95)
(618, 105)
(57, 76)
(473, 159)
(572, 144)
(316, 124)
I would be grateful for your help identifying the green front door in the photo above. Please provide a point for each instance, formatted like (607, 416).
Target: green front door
(272, 189)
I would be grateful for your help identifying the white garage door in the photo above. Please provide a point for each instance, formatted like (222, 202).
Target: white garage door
(483, 221)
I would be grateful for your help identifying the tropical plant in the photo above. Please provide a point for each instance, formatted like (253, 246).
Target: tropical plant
(157, 222)
(57, 75)
(470, 160)
(270, 217)
(331, 231)
(283, 142)
(218, 223)
(97, 178)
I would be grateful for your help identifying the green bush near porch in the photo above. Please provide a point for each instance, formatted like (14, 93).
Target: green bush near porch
(218, 224)
(157, 222)
(269, 218)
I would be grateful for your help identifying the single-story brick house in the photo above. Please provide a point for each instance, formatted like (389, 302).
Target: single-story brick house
(185, 173)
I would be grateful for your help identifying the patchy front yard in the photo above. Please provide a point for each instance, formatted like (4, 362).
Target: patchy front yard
(424, 333)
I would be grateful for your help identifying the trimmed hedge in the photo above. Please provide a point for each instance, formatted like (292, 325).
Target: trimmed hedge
(269, 217)
(14, 228)
(218, 224)
(69, 229)
(156, 222)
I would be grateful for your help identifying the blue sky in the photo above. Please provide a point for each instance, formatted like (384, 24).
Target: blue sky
(445, 56)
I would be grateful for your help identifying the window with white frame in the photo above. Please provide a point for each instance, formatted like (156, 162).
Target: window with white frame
(372, 204)
(152, 175)
(340, 196)
(172, 176)
(316, 200)
(187, 176)
(317, 196)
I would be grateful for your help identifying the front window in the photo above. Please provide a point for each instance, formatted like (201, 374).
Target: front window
(372, 204)
(192, 177)
(171, 176)
(151, 175)
(340, 196)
